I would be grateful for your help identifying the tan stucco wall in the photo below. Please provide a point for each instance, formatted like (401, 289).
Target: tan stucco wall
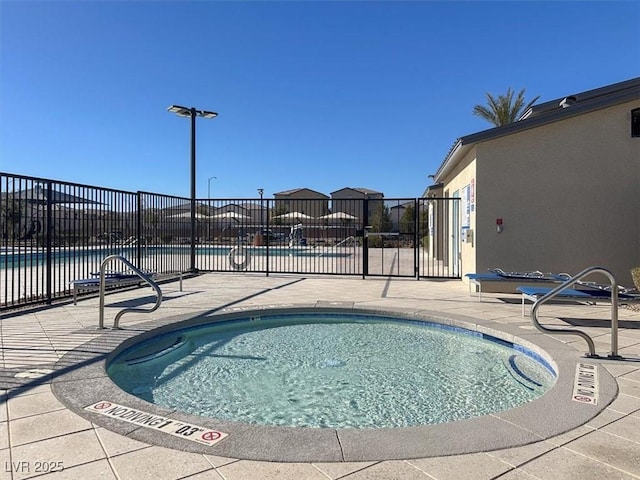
(569, 194)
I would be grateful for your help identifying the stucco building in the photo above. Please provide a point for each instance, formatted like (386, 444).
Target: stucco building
(556, 191)
(350, 200)
(301, 200)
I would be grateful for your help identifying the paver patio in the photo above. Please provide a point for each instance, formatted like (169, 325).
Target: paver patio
(39, 433)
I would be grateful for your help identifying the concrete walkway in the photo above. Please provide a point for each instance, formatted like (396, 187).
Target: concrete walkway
(39, 433)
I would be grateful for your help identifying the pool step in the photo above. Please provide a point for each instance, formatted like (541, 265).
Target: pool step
(519, 376)
(179, 342)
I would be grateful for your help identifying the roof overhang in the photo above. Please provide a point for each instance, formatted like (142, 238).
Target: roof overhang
(432, 190)
(579, 105)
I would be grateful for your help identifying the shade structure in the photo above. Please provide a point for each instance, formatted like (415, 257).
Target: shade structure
(41, 196)
(199, 216)
(293, 217)
(339, 216)
(40, 199)
(230, 216)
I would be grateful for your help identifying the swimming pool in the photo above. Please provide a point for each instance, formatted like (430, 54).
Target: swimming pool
(25, 257)
(332, 370)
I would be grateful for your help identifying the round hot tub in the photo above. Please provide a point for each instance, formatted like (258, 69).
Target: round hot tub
(338, 370)
(329, 384)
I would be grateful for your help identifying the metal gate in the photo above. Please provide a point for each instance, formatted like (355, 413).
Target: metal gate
(411, 238)
(405, 237)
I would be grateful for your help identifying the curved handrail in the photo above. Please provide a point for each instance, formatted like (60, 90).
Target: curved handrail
(138, 272)
(584, 335)
(333, 247)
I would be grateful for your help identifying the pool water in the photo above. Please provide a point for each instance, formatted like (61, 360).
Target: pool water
(313, 370)
(38, 256)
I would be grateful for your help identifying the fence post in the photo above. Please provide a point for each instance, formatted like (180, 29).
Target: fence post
(416, 238)
(268, 231)
(365, 239)
(49, 234)
(137, 242)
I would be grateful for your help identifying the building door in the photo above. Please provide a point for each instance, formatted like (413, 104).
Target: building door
(455, 236)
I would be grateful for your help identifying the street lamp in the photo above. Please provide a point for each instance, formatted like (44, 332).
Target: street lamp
(209, 187)
(192, 113)
(260, 192)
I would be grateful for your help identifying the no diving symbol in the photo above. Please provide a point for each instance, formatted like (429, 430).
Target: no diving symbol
(583, 399)
(210, 436)
(102, 405)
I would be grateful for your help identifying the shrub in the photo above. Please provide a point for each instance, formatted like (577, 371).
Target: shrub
(635, 274)
(375, 242)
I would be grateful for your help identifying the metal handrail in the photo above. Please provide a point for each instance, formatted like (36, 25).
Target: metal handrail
(139, 273)
(559, 331)
(333, 247)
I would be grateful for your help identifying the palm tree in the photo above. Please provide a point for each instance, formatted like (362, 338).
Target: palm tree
(504, 109)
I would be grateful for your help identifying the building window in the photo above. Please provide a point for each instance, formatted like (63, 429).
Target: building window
(635, 122)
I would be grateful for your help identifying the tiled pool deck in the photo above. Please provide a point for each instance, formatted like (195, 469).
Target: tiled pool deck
(39, 431)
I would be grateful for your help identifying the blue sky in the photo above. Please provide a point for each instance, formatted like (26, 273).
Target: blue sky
(322, 95)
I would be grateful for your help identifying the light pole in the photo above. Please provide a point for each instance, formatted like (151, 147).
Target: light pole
(260, 192)
(209, 187)
(192, 113)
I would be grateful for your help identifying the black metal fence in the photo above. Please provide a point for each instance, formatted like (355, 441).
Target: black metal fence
(55, 232)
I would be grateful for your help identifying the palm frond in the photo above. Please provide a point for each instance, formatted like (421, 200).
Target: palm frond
(503, 109)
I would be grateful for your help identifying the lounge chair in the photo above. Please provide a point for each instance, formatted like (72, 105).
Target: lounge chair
(499, 281)
(591, 294)
(114, 280)
(111, 280)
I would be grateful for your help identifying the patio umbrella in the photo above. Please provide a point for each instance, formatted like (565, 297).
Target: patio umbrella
(294, 216)
(199, 216)
(231, 216)
(339, 216)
